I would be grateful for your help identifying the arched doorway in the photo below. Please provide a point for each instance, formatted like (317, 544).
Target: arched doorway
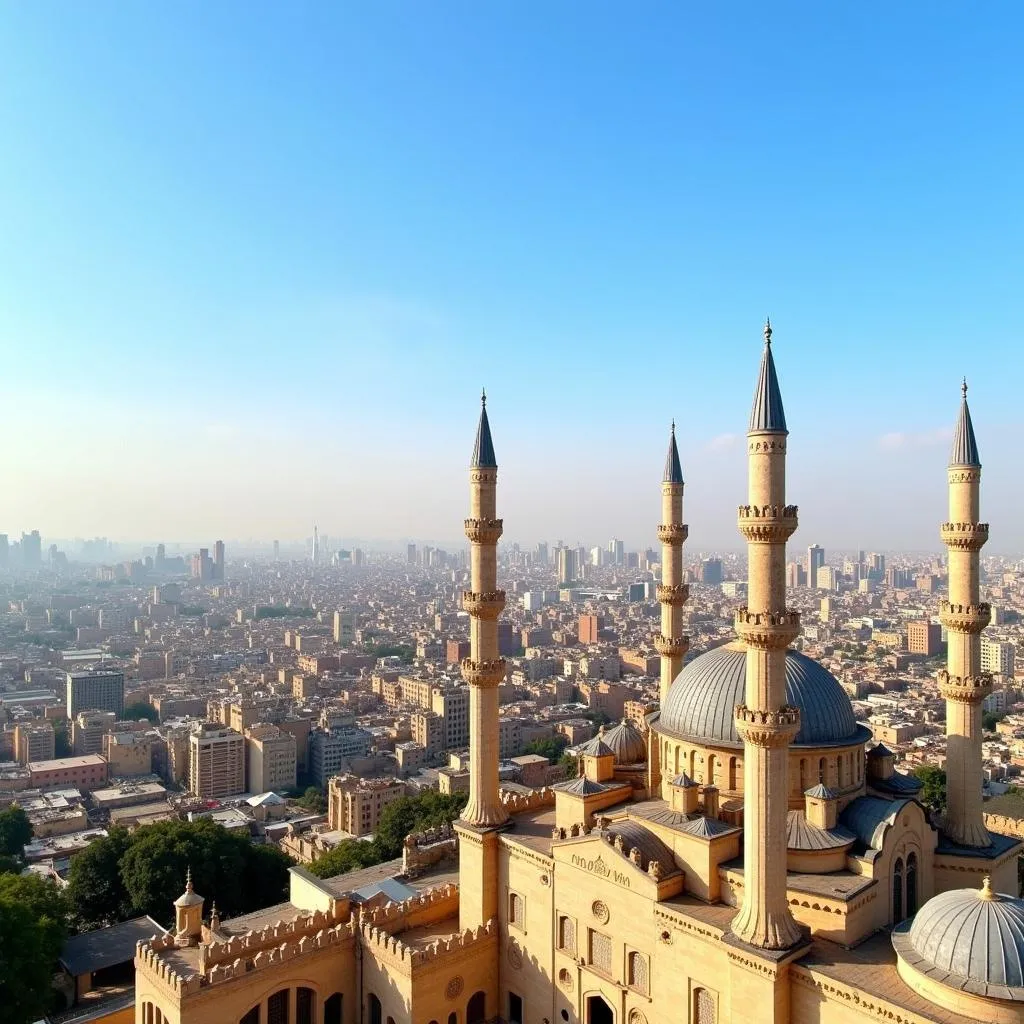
(476, 1009)
(599, 1012)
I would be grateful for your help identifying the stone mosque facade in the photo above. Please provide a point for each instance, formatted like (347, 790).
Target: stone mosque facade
(744, 858)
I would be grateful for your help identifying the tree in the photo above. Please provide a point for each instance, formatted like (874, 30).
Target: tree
(25, 968)
(571, 765)
(313, 800)
(95, 889)
(551, 748)
(990, 719)
(933, 790)
(15, 833)
(348, 855)
(48, 906)
(140, 709)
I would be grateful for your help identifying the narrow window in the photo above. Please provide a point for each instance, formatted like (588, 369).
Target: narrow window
(515, 1009)
(703, 1007)
(897, 891)
(515, 909)
(911, 884)
(636, 973)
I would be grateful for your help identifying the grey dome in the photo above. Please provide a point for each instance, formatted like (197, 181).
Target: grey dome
(974, 934)
(702, 701)
(626, 742)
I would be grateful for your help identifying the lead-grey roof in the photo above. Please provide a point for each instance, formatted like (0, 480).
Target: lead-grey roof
(973, 935)
(106, 947)
(626, 742)
(701, 703)
(767, 413)
(650, 846)
(965, 447)
(868, 817)
(802, 835)
(483, 450)
(673, 467)
(821, 792)
(581, 786)
(394, 890)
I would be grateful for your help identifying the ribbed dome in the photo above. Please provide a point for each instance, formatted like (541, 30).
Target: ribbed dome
(974, 934)
(626, 742)
(702, 701)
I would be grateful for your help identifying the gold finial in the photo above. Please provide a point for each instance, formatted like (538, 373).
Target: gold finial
(768, 331)
(483, 397)
(986, 892)
(963, 388)
(673, 426)
(188, 879)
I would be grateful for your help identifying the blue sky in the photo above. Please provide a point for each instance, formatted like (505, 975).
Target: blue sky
(256, 261)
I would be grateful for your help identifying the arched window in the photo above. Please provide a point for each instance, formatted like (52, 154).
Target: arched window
(252, 1017)
(637, 974)
(476, 1009)
(821, 771)
(304, 1004)
(332, 1009)
(515, 909)
(703, 1007)
(804, 782)
(277, 1007)
(567, 935)
(709, 774)
(732, 774)
(391, 1020)
(897, 891)
(376, 1014)
(453, 1018)
(911, 884)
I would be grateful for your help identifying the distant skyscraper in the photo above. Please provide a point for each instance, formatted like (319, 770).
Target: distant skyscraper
(815, 560)
(316, 546)
(4, 550)
(98, 690)
(31, 550)
(566, 566)
(161, 557)
(542, 553)
(218, 560)
(711, 571)
(277, 550)
(617, 549)
(410, 554)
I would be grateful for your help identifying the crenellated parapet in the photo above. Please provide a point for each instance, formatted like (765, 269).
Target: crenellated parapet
(964, 536)
(767, 630)
(767, 728)
(767, 524)
(965, 618)
(634, 854)
(671, 646)
(489, 673)
(487, 605)
(484, 531)
(964, 689)
(515, 802)
(675, 595)
(410, 960)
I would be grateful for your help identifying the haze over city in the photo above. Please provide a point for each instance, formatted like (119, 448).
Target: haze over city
(255, 270)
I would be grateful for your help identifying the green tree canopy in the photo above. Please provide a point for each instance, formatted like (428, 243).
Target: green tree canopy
(25, 965)
(933, 792)
(140, 709)
(49, 907)
(313, 800)
(571, 765)
(551, 748)
(15, 833)
(348, 855)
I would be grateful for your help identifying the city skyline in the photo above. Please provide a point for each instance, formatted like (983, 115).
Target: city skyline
(257, 262)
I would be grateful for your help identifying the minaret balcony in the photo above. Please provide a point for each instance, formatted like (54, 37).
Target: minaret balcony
(677, 594)
(484, 673)
(767, 630)
(767, 728)
(964, 689)
(965, 618)
(484, 531)
(767, 524)
(671, 646)
(964, 536)
(483, 605)
(673, 533)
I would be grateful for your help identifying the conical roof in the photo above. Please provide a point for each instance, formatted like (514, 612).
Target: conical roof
(767, 413)
(965, 447)
(483, 450)
(189, 897)
(673, 468)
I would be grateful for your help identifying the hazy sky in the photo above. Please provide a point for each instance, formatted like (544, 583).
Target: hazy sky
(257, 260)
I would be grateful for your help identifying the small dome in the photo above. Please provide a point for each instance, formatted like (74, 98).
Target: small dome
(976, 934)
(701, 703)
(627, 743)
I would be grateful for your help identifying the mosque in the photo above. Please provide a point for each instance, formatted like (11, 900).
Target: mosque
(743, 858)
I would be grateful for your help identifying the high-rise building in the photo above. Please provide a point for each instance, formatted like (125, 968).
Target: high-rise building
(270, 759)
(218, 560)
(31, 550)
(216, 761)
(34, 740)
(88, 729)
(815, 560)
(998, 657)
(277, 550)
(617, 551)
(410, 554)
(202, 565)
(5, 550)
(354, 805)
(796, 575)
(95, 690)
(542, 553)
(924, 637)
(344, 627)
(589, 629)
(566, 566)
(710, 571)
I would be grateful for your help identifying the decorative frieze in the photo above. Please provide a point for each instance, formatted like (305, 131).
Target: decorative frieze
(964, 536)
(677, 594)
(484, 531)
(767, 630)
(484, 673)
(671, 646)
(767, 728)
(964, 689)
(673, 533)
(965, 618)
(486, 606)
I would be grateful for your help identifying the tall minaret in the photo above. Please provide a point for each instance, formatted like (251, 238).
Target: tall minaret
(964, 616)
(672, 593)
(765, 721)
(483, 670)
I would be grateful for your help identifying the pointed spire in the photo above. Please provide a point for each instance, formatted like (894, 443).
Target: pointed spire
(767, 414)
(483, 450)
(188, 879)
(673, 468)
(965, 447)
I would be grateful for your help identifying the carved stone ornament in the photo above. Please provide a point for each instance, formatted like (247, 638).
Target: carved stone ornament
(600, 911)
(565, 979)
(454, 987)
(515, 956)
(637, 1017)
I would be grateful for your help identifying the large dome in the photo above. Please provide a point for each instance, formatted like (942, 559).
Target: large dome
(702, 701)
(974, 934)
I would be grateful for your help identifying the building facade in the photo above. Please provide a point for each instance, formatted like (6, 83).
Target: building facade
(98, 690)
(216, 762)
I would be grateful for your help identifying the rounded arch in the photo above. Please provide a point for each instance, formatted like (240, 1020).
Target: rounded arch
(911, 883)
(476, 1008)
(897, 890)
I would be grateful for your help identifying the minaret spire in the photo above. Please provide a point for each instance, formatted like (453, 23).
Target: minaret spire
(962, 683)
(765, 721)
(672, 593)
(483, 670)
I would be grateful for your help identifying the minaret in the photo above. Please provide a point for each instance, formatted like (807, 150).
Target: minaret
(764, 721)
(483, 670)
(964, 616)
(672, 593)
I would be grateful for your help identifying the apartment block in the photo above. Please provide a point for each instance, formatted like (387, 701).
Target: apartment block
(88, 729)
(98, 690)
(354, 805)
(33, 741)
(271, 758)
(216, 761)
